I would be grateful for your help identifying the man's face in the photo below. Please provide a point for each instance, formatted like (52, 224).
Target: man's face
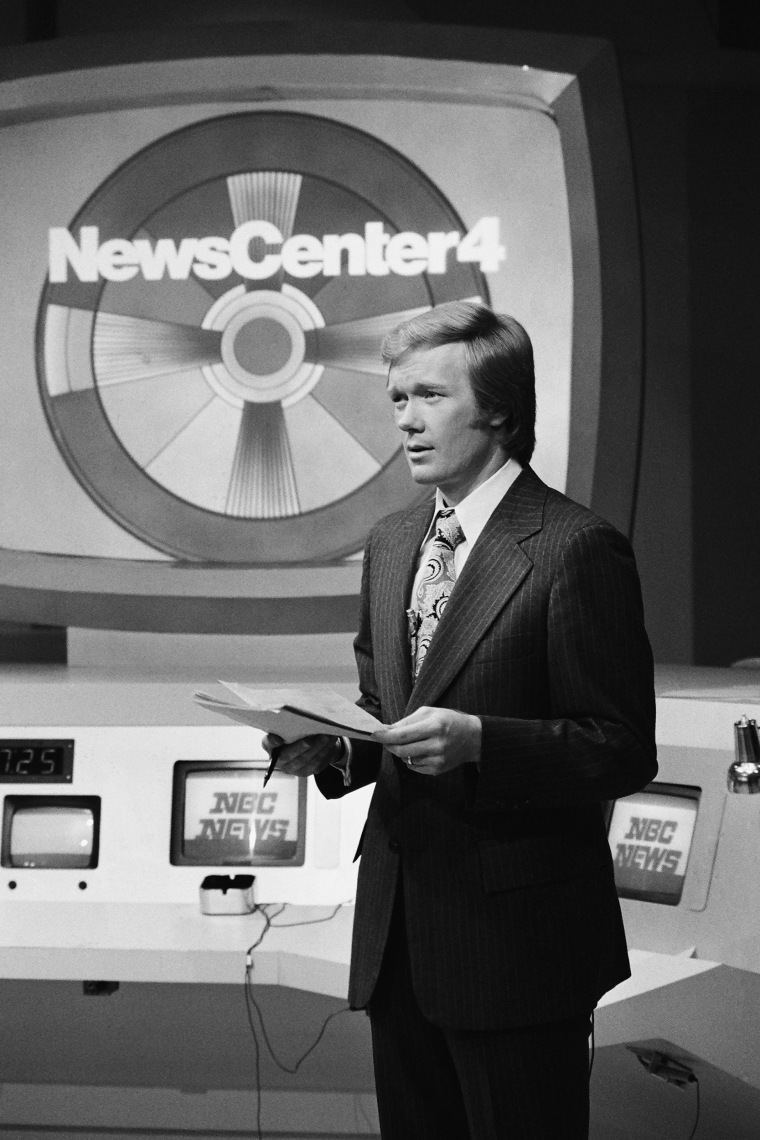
(449, 443)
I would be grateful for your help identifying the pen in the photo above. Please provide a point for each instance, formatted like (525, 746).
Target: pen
(272, 764)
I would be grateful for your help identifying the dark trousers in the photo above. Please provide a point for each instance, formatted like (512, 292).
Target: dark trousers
(529, 1083)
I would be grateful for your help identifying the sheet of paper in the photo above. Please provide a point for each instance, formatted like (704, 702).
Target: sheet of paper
(319, 702)
(291, 713)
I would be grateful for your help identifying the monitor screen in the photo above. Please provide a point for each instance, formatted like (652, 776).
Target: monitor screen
(222, 815)
(204, 260)
(51, 831)
(650, 835)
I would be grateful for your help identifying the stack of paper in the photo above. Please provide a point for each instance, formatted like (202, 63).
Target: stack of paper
(291, 713)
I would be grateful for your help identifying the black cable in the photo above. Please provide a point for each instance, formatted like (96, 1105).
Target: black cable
(281, 1064)
(256, 1064)
(693, 1132)
(251, 1004)
(249, 1014)
(305, 921)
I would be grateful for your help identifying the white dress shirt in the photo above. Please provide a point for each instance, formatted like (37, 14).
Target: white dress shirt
(473, 512)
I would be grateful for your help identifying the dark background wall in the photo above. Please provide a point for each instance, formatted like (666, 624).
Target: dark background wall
(690, 72)
(724, 244)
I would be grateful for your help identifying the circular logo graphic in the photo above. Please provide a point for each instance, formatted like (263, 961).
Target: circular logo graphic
(209, 336)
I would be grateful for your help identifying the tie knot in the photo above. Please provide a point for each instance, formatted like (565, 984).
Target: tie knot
(448, 531)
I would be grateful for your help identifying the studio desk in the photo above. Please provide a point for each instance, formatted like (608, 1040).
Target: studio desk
(174, 1046)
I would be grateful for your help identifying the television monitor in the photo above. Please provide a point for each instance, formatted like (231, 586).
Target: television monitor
(43, 832)
(212, 233)
(650, 835)
(222, 815)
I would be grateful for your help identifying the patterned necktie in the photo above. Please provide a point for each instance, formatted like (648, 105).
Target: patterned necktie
(437, 583)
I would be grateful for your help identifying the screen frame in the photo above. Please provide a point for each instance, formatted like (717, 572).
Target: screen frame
(183, 768)
(13, 802)
(677, 791)
(573, 79)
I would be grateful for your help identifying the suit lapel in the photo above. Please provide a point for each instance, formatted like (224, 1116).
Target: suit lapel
(494, 569)
(398, 565)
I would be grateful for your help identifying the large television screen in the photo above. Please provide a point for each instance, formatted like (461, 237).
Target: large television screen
(203, 263)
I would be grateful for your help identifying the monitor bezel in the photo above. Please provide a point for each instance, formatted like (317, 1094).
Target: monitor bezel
(182, 768)
(13, 802)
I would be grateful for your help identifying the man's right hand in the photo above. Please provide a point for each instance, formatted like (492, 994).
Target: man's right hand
(304, 757)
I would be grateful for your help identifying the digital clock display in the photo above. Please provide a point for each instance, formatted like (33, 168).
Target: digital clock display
(36, 761)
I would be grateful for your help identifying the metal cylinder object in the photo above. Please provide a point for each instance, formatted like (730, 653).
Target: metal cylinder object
(744, 774)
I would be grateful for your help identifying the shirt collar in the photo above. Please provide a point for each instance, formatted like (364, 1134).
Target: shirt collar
(475, 509)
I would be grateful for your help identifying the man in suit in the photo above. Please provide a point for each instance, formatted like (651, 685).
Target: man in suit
(502, 645)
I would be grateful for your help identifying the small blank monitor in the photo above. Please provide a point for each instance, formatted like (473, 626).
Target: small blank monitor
(222, 815)
(51, 832)
(650, 835)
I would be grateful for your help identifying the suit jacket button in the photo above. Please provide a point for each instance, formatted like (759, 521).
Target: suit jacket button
(395, 846)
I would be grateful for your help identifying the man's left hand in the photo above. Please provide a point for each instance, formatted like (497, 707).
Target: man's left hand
(432, 740)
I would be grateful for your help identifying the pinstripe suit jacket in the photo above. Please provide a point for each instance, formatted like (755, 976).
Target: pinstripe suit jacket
(511, 910)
